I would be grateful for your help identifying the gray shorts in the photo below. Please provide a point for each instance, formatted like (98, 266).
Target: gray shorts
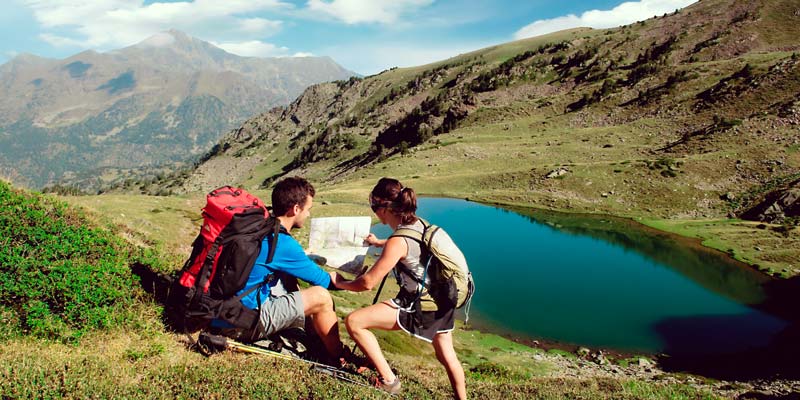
(277, 313)
(282, 312)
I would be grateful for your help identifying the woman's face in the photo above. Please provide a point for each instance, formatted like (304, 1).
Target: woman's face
(378, 209)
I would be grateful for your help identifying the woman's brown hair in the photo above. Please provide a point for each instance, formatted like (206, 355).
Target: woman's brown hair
(401, 201)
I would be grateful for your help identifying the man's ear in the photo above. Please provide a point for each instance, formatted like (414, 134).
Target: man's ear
(294, 210)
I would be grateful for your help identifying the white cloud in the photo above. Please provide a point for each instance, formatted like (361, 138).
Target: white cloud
(622, 14)
(254, 48)
(60, 41)
(105, 24)
(302, 54)
(258, 25)
(366, 11)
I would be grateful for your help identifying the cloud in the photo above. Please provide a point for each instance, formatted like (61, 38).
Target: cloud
(60, 41)
(622, 14)
(258, 25)
(302, 54)
(105, 24)
(253, 48)
(366, 11)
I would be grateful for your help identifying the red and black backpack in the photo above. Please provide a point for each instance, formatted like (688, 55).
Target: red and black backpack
(234, 224)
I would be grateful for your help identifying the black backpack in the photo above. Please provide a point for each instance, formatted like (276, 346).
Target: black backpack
(234, 225)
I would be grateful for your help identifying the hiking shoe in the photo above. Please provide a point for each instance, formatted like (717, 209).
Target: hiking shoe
(209, 344)
(391, 388)
(349, 361)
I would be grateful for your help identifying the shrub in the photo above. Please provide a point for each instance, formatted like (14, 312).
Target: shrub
(59, 277)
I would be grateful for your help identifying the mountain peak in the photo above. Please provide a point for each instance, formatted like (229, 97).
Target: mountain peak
(170, 38)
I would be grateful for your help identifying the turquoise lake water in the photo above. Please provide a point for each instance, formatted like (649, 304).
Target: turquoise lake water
(601, 282)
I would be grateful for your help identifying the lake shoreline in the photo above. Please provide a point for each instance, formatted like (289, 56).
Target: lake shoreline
(688, 240)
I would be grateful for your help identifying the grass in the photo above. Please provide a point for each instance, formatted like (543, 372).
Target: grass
(102, 367)
(145, 361)
(767, 249)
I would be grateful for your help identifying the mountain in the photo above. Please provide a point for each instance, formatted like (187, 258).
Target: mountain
(165, 100)
(676, 86)
(690, 115)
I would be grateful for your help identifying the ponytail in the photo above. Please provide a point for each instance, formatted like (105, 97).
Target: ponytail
(401, 201)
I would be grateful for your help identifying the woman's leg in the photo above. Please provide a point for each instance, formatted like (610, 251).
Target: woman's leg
(443, 345)
(377, 316)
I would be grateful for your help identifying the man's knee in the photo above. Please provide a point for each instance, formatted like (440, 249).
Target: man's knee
(316, 299)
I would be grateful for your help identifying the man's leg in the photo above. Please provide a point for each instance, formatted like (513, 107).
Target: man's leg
(318, 305)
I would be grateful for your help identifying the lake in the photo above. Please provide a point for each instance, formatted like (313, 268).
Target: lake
(601, 282)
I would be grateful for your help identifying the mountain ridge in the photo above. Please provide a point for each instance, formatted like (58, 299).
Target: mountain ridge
(144, 87)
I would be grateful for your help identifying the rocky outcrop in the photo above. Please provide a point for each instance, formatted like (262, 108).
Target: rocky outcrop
(777, 206)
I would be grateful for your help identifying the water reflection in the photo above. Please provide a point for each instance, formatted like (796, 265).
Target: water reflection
(711, 269)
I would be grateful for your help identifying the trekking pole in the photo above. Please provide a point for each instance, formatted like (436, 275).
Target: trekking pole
(377, 295)
(329, 370)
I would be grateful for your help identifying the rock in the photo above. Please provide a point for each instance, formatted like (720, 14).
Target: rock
(583, 352)
(600, 358)
(643, 362)
(326, 202)
(604, 194)
(556, 173)
(728, 196)
(776, 206)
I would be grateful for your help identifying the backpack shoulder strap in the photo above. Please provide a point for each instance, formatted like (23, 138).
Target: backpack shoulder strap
(276, 230)
(414, 234)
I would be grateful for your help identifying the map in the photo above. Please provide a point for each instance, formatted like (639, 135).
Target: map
(339, 241)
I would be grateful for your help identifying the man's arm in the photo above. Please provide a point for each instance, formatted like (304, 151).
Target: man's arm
(291, 258)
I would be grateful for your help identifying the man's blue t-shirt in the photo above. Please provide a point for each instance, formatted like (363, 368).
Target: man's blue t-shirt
(289, 258)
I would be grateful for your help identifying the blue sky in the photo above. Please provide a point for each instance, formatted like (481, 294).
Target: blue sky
(366, 36)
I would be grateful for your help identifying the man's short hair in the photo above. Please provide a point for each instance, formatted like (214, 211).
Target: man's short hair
(288, 192)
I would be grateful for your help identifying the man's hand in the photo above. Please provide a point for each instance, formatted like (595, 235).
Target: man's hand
(336, 279)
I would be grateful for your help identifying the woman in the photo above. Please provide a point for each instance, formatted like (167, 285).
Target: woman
(411, 310)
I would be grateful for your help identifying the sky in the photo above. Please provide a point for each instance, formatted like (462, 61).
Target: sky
(365, 36)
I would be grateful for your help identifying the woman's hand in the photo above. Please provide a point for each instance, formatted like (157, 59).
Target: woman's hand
(373, 240)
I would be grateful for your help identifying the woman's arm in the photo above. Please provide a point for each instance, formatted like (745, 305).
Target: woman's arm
(394, 250)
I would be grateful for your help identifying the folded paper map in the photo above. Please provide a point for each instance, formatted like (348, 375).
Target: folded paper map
(340, 241)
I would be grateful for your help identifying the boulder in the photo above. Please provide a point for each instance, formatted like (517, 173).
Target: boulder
(643, 362)
(776, 206)
(557, 172)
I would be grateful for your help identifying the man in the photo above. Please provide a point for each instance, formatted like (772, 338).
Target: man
(292, 199)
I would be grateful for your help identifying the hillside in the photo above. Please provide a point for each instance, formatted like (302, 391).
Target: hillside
(79, 321)
(691, 116)
(92, 117)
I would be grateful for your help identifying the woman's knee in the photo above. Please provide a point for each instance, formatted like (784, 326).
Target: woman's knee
(353, 321)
